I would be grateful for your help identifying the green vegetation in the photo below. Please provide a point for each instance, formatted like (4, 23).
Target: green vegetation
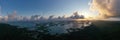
(99, 30)
(110, 30)
(8, 32)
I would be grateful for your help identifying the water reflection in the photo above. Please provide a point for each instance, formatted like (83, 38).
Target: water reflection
(66, 26)
(55, 27)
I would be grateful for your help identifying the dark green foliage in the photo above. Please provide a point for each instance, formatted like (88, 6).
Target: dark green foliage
(110, 30)
(8, 32)
(99, 30)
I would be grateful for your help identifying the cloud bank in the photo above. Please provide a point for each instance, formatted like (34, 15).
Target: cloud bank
(106, 8)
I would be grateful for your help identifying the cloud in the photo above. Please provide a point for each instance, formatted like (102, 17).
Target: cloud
(106, 8)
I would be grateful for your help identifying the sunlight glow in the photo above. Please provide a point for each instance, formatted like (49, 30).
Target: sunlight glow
(87, 15)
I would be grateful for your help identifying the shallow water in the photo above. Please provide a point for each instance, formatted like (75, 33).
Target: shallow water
(54, 27)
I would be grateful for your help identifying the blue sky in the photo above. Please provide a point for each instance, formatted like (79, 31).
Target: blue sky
(43, 7)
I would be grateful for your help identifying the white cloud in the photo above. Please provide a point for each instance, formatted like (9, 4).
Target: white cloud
(106, 8)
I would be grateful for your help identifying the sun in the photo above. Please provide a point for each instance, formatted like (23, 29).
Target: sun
(87, 15)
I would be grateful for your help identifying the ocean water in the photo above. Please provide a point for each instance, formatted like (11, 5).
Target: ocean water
(54, 27)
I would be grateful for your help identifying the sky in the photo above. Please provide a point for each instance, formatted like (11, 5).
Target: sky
(107, 8)
(44, 7)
